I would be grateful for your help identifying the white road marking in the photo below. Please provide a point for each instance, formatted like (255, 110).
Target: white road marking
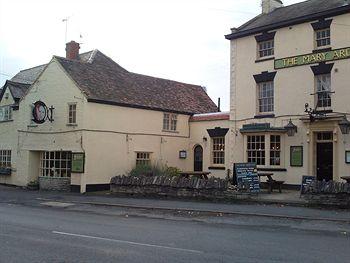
(128, 242)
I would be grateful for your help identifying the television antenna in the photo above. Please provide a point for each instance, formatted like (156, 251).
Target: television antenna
(65, 20)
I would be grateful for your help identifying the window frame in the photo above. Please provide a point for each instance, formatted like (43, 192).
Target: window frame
(48, 161)
(143, 159)
(326, 38)
(275, 153)
(72, 120)
(5, 158)
(265, 52)
(270, 107)
(323, 98)
(7, 113)
(170, 122)
(218, 151)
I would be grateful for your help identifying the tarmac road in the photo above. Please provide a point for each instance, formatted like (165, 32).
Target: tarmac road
(59, 232)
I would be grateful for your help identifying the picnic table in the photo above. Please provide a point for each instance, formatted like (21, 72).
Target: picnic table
(271, 182)
(201, 175)
(346, 178)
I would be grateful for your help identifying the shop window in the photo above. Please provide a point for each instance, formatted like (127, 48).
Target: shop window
(72, 113)
(265, 97)
(256, 149)
(143, 158)
(55, 164)
(323, 37)
(323, 90)
(218, 150)
(275, 150)
(5, 113)
(266, 48)
(5, 158)
(169, 122)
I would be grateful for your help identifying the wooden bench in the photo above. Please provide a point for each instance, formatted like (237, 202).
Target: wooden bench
(275, 184)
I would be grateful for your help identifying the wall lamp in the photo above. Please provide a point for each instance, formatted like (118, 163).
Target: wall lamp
(291, 128)
(344, 125)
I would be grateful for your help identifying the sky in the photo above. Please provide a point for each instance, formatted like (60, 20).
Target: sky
(182, 40)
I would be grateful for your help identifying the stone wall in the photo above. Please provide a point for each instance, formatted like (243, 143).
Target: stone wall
(328, 193)
(169, 186)
(54, 183)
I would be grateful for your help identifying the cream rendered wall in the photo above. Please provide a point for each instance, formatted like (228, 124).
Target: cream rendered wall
(8, 139)
(292, 87)
(114, 134)
(198, 131)
(54, 88)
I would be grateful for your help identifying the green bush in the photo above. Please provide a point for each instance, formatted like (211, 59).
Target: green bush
(154, 170)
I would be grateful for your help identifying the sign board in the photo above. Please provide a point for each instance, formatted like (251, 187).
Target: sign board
(312, 58)
(296, 156)
(247, 177)
(78, 162)
(305, 182)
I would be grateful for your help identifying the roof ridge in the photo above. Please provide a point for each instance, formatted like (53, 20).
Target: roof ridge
(32, 67)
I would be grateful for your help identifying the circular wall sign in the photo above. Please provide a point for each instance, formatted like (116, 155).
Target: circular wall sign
(39, 112)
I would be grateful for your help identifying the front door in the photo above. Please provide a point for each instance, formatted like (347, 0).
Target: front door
(198, 158)
(324, 161)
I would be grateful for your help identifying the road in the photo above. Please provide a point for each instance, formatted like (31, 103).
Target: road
(40, 231)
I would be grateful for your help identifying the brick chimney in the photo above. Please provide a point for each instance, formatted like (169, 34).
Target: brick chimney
(72, 50)
(270, 5)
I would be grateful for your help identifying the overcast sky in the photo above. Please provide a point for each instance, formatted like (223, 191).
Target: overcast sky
(181, 40)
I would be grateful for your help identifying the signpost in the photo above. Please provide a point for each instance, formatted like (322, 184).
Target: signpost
(305, 182)
(78, 161)
(247, 177)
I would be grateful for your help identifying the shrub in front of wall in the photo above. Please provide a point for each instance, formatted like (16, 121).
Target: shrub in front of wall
(154, 170)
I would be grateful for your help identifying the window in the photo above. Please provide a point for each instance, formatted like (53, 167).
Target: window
(72, 113)
(169, 122)
(265, 97)
(266, 48)
(219, 150)
(323, 37)
(256, 149)
(275, 150)
(5, 158)
(323, 90)
(5, 113)
(143, 158)
(55, 164)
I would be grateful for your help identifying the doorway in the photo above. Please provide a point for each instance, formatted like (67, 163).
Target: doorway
(198, 158)
(324, 156)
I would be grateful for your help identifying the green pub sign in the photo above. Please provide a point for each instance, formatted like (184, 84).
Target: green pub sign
(296, 156)
(337, 54)
(78, 161)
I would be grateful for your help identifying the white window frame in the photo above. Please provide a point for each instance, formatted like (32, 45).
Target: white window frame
(72, 113)
(266, 48)
(143, 158)
(170, 122)
(275, 149)
(218, 151)
(6, 112)
(256, 149)
(323, 88)
(323, 38)
(265, 97)
(50, 159)
(5, 158)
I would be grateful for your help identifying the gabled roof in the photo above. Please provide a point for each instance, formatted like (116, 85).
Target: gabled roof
(28, 76)
(290, 15)
(104, 81)
(17, 89)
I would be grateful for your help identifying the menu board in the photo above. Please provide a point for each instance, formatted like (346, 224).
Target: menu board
(78, 160)
(247, 177)
(296, 156)
(305, 182)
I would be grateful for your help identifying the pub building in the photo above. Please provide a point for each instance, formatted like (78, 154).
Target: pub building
(76, 122)
(290, 75)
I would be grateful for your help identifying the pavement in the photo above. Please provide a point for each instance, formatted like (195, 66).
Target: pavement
(64, 227)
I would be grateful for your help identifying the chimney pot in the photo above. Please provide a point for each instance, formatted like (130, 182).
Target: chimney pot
(72, 50)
